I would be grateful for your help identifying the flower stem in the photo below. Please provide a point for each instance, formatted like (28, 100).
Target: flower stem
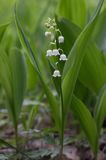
(62, 125)
(16, 137)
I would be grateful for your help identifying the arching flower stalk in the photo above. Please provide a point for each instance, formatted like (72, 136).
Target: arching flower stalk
(56, 40)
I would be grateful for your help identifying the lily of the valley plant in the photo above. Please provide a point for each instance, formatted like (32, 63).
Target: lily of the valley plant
(65, 68)
(57, 59)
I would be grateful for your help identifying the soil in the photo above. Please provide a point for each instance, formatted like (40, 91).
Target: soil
(46, 146)
(74, 151)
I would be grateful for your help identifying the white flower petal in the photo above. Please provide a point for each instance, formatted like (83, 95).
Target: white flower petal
(49, 53)
(56, 73)
(63, 57)
(55, 52)
(61, 39)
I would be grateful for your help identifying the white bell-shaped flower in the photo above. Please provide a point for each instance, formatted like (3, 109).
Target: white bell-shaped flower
(63, 57)
(48, 34)
(56, 73)
(55, 52)
(49, 53)
(61, 39)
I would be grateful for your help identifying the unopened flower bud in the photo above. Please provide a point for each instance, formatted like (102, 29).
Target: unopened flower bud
(47, 34)
(54, 24)
(51, 28)
(47, 25)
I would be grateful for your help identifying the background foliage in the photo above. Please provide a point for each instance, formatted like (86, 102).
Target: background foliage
(25, 76)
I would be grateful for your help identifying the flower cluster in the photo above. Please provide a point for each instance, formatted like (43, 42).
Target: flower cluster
(55, 36)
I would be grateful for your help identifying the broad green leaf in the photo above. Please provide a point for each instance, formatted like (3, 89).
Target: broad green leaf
(100, 31)
(26, 45)
(36, 25)
(13, 79)
(86, 121)
(32, 78)
(100, 108)
(75, 58)
(18, 73)
(93, 66)
(73, 10)
(70, 31)
(51, 99)
(6, 11)
(81, 91)
(31, 20)
(5, 74)
(2, 30)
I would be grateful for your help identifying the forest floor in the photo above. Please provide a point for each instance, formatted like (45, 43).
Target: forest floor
(43, 143)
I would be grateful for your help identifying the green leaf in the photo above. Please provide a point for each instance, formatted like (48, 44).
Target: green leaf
(2, 30)
(93, 66)
(81, 91)
(51, 99)
(75, 58)
(32, 116)
(13, 79)
(5, 74)
(100, 31)
(18, 73)
(86, 121)
(26, 45)
(7, 144)
(70, 31)
(73, 10)
(32, 78)
(100, 108)
(16, 149)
